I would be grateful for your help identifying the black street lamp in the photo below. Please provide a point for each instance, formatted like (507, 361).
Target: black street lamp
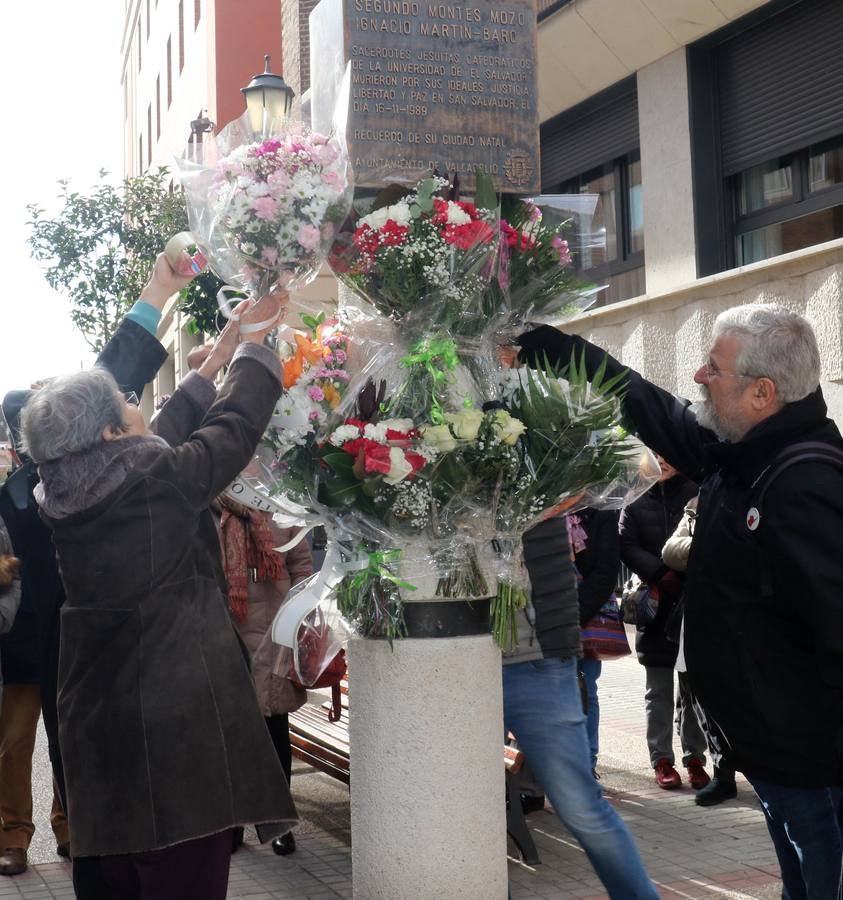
(199, 126)
(268, 98)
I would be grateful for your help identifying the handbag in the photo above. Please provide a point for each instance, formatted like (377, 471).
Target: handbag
(316, 661)
(603, 636)
(639, 602)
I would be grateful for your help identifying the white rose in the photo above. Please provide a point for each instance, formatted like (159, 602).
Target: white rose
(399, 468)
(507, 428)
(465, 424)
(439, 438)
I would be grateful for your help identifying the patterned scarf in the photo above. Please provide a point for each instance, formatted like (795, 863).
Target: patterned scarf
(246, 541)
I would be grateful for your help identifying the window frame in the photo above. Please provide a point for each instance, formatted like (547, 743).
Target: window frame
(627, 258)
(804, 202)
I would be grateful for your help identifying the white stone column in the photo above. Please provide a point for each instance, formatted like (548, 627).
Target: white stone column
(428, 815)
(666, 175)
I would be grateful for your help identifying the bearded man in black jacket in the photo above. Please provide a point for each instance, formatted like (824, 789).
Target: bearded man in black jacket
(764, 588)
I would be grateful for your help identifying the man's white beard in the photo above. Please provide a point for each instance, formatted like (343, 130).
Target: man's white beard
(708, 418)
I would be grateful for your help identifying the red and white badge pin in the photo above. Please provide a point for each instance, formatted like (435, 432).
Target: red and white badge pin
(753, 518)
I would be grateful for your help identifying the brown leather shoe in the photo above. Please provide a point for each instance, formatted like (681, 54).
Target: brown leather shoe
(13, 861)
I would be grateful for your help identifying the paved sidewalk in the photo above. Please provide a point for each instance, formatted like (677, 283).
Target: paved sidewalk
(721, 852)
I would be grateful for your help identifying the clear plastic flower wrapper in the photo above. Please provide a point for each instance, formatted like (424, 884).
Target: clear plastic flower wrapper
(544, 241)
(265, 207)
(427, 490)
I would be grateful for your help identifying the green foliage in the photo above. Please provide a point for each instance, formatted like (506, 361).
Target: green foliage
(100, 248)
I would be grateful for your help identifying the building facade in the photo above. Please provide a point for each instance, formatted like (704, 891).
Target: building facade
(183, 59)
(713, 132)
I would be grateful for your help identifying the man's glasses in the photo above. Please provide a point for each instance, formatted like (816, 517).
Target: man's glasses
(131, 398)
(709, 370)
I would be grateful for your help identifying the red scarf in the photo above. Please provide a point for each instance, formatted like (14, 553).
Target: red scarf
(246, 541)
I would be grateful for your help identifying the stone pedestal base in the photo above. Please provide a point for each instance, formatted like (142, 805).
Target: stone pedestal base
(428, 817)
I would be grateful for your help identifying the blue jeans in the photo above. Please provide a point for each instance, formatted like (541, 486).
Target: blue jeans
(591, 669)
(542, 707)
(805, 826)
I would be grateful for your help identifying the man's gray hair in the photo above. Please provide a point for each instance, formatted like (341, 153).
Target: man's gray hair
(70, 413)
(776, 343)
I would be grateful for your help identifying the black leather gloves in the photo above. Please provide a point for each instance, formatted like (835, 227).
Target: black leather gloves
(545, 342)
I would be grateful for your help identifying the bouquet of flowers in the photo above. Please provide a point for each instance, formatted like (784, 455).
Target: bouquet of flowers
(265, 209)
(315, 379)
(536, 281)
(428, 480)
(422, 258)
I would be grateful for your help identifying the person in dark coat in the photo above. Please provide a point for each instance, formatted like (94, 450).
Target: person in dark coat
(148, 647)
(764, 587)
(645, 525)
(9, 587)
(596, 545)
(133, 356)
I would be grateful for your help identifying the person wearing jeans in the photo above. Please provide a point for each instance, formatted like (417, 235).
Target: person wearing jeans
(543, 709)
(809, 847)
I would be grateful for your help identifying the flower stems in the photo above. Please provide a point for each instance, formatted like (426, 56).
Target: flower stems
(506, 605)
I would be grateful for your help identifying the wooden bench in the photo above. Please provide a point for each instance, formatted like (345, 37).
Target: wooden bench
(325, 746)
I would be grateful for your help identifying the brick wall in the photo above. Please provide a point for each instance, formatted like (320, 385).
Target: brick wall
(296, 41)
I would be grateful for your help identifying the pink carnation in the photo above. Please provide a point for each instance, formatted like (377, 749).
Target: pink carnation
(564, 251)
(316, 394)
(265, 207)
(269, 255)
(309, 237)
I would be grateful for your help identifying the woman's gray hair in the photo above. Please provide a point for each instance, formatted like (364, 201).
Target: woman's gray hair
(70, 414)
(776, 343)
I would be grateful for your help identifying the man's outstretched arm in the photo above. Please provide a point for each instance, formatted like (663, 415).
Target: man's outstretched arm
(663, 422)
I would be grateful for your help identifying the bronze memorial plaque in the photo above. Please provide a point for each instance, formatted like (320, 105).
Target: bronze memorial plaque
(434, 85)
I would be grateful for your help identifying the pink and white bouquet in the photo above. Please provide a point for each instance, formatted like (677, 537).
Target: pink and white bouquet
(265, 212)
(315, 380)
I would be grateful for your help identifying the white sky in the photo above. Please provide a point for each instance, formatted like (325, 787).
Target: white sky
(62, 105)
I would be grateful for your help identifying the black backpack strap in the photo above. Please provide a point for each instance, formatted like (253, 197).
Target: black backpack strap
(804, 451)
